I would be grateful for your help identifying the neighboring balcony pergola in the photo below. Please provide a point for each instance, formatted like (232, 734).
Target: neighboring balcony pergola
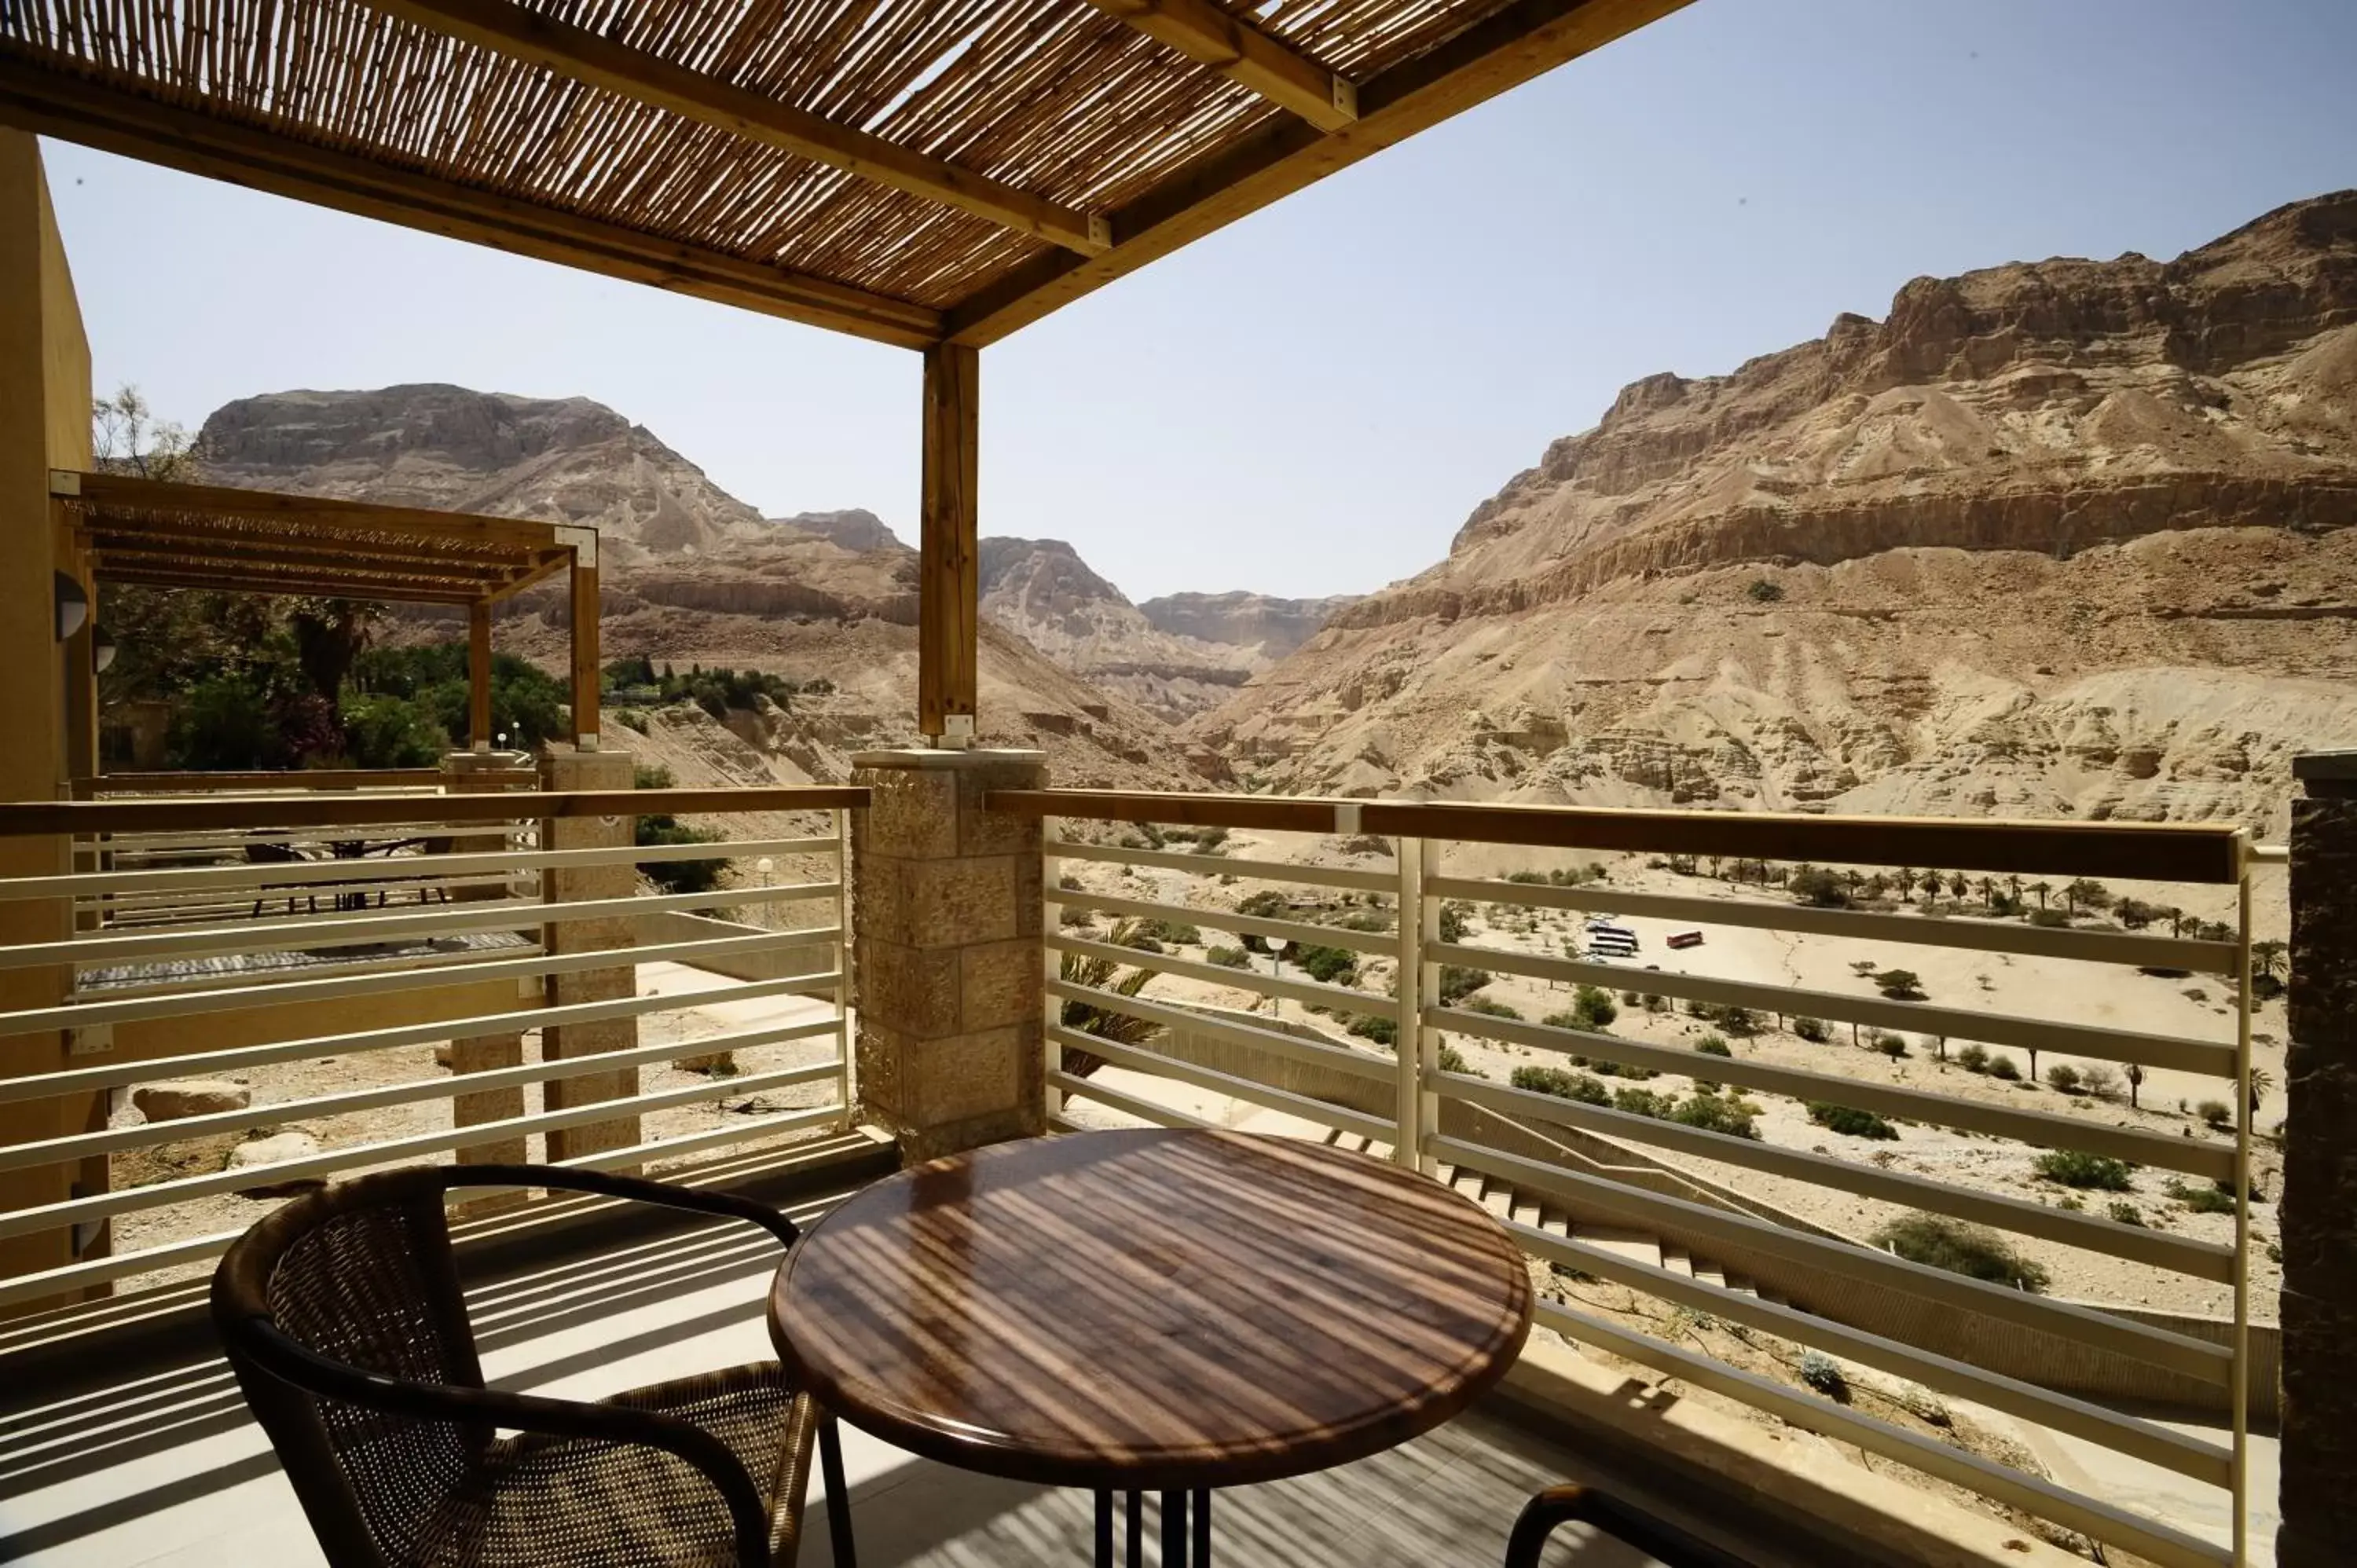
(152, 533)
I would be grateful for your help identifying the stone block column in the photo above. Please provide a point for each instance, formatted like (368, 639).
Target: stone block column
(589, 770)
(2319, 1496)
(946, 965)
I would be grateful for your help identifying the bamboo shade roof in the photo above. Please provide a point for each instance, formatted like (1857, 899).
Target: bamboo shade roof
(165, 535)
(914, 171)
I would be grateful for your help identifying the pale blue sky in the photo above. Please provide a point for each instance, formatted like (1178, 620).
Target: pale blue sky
(1311, 401)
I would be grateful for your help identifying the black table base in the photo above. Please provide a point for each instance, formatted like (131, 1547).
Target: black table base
(1180, 1547)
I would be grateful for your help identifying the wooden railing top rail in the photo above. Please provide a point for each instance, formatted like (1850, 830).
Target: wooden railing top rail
(292, 780)
(2158, 852)
(22, 819)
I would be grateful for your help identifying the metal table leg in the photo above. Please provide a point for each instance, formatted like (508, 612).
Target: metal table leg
(1136, 1530)
(1203, 1558)
(1174, 1530)
(1104, 1529)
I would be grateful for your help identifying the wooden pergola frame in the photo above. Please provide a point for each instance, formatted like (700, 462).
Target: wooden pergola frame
(152, 533)
(932, 174)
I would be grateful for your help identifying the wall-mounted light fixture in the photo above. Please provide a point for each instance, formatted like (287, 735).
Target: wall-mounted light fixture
(73, 606)
(102, 649)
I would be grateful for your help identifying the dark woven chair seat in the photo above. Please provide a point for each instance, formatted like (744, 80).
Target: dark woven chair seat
(538, 1500)
(342, 1314)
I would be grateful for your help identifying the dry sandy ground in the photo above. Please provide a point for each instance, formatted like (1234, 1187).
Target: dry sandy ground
(2059, 990)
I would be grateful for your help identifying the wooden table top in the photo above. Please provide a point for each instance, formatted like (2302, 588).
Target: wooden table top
(1152, 1309)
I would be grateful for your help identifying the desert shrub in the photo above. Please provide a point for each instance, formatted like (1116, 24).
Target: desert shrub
(1075, 917)
(1891, 1045)
(1849, 1122)
(1764, 592)
(2099, 1080)
(1594, 1007)
(1069, 882)
(2215, 1112)
(1728, 1113)
(1133, 937)
(1815, 886)
(1740, 1022)
(1562, 1085)
(1656, 1002)
(1700, 1010)
(1821, 1371)
(1712, 1046)
(1939, 1243)
(1177, 931)
(1527, 876)
(2126, 1213)
(1644, 1102)
(1450, 1059)
(1813, 1030)
(1382, 1031)
(679, 875)
(2002, 1066)
(1900, 984)
(1455, 920)
(1489, 1009)
(2075, 1167)
(2064, 1077)
(1974, 1057)
(2050, 919)
(1458, 982)
(1229, 958)
(1615, 1070)
(1332, 966)
(2217, 1199)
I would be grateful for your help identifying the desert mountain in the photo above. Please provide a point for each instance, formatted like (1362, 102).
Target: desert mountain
(1173, 657)
(690, 574)
(2061, 537)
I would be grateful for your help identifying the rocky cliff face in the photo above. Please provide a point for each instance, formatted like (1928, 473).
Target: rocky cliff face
(1189, 659)
(857, 529)
(2064, 537)
(563, 460)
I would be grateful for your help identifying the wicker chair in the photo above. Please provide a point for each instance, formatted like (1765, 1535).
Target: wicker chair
(342, 1315)
(1664, 1544)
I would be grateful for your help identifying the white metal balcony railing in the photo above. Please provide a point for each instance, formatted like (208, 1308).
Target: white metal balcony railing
(232, 937)
(1577, 1180)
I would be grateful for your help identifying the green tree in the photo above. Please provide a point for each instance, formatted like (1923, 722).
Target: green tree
(1093, 1018)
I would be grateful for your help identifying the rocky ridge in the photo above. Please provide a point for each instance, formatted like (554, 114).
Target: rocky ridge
(2058, 538)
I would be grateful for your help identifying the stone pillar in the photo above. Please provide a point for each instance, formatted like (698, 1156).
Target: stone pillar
(945, 914)
(468, 773)
(589, 770)
(2319, 1213)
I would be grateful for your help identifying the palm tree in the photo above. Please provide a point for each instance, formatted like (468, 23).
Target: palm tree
(2014, 884)
(2261, 1081)
(1988, 892)
(2041, 889)
(2175, 919)
(1959, 885)
(2268, 960)
(1088, 1018)
(2135, 1081)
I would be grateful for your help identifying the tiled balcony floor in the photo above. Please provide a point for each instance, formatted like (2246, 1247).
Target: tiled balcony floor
(162, 1466)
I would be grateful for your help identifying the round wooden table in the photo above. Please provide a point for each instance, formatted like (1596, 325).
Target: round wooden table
(1151, 1311)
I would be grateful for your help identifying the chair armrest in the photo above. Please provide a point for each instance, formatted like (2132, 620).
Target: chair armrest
(292, 1362)
(1561, 1505)
(609, 1184)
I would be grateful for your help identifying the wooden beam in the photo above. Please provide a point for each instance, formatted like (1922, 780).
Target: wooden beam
(96, 493)
(1243, 53)
(114, 551)
(479, 675)
(547, 566)
(949, 595)
(114, 531)
(586, 56)
(322, 587)
(584, 651)
(44, 92)
(1523, 39)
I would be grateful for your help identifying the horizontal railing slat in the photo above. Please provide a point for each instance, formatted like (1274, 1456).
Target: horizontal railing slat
(2190, 1156)
(1341, 1058)
(183, 1004)
(1921, 1018)
(1955, 931)
(1228, 865)
(1140, 1060)
(22, 818)
(2158, 852)
(2195, 1358)
(2165, 1547)
(1309, 991)
(1115, 1099)
(2158, 1445)
(1380, 944)
(117, 1075)
(80, 1146)
(2143, 1244)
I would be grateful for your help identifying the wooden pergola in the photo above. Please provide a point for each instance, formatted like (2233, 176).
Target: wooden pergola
(933, 173)
(152, 533)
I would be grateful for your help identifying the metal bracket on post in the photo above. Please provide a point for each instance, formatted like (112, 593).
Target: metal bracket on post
(89, 1040)
(957, 733)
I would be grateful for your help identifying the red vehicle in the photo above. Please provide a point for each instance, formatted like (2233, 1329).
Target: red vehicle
(1686, 939)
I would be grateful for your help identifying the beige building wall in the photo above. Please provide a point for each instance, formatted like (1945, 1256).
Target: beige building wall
(44, 398)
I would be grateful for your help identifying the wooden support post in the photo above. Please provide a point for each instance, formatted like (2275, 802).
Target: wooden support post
(950, 594)
(479, 675)
(584, 647)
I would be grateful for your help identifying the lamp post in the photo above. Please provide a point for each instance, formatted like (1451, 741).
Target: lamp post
(1277, 953)
(764, 865)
